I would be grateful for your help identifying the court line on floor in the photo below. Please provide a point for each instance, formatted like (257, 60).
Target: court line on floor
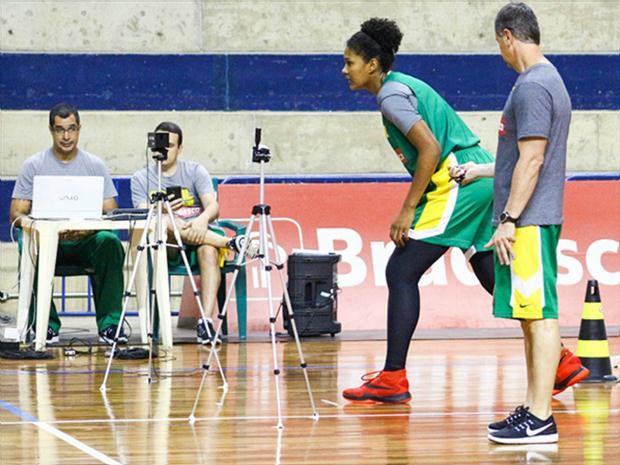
(300, 417)
(46, 426)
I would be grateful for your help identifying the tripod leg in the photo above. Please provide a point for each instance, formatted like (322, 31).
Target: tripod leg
(153, 301)
(272, 320)
(279, 447)
(130, 284)
(162, 292)
(188, 269)
(289, 308)
(221, 316)
(192, 415)
(224, 310)
(142, 285)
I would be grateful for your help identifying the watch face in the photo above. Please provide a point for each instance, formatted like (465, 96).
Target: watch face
(505, 217)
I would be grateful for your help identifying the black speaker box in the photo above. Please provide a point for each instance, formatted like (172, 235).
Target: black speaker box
(314, 321)
(313, 288)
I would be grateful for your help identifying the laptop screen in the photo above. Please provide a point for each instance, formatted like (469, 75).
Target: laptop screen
(72, 197)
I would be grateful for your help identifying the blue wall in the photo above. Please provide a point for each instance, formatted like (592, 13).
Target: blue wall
(273, 82)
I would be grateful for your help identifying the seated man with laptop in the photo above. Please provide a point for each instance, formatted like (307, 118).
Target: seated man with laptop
(101, 251)
(192, 198)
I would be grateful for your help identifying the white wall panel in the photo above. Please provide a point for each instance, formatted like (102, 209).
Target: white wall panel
(290, 26)
(302, 143)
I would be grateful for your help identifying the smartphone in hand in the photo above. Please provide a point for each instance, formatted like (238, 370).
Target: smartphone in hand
(174, 193)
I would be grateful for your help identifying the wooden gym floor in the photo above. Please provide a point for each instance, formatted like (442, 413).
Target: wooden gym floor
(52, 412)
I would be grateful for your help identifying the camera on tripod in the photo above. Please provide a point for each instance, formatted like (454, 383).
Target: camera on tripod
(260, 153)
(158, 142)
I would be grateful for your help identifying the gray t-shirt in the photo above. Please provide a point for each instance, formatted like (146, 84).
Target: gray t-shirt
(45, 163)
(399, 105)
(538, 106)
(193, 179)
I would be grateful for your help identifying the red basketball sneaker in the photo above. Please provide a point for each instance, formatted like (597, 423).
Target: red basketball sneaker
(570, 371)
(389, 387)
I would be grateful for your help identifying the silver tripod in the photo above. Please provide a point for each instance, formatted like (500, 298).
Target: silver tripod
(159, 200)
(262, 212)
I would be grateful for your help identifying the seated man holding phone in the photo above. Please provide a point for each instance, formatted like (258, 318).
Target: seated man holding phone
(190, 191)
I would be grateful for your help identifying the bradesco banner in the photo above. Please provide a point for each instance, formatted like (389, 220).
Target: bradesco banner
(353, 219)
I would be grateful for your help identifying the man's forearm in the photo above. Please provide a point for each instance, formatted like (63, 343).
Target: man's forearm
(524, 180)
(19, 209)
(179, 223)
(16, 220)
(485, 170)
(206, 217)
(211, 213)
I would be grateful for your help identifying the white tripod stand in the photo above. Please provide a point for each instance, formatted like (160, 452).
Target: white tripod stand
(262, 212)
(158, 143)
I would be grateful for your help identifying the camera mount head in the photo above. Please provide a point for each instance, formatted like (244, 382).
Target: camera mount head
(260, 153)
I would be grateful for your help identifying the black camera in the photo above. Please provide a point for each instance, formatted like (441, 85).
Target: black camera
(158, 142)
(260, 153)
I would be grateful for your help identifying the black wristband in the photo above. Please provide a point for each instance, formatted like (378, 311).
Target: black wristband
(505, 217)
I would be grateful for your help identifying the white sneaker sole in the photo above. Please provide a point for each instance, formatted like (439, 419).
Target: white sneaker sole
(540, 448)
(541, 439)
(111, 341)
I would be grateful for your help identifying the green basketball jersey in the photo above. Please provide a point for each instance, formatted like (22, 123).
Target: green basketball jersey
(448, 128)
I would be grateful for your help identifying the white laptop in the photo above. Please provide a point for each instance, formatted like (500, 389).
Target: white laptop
(72, 197)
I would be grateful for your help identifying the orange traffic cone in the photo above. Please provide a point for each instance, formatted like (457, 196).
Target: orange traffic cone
(592, 346)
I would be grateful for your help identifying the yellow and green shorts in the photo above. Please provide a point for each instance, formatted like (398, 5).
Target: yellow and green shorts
(526, 289)
(176, 260)
(453, 215)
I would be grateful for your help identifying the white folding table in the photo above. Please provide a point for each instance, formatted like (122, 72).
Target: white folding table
(40, 237)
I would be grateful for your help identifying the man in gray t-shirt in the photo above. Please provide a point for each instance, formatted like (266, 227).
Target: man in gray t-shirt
(100, 251)
(528, 189)
(528, 195)
(189, 188)
(191, 179)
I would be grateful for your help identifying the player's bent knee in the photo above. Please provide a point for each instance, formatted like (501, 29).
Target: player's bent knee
(109, 240)
(207, 252)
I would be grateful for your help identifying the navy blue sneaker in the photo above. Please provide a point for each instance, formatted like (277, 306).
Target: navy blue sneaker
(107, 335)
(205, 336)
(528, 429)
(512, 417)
